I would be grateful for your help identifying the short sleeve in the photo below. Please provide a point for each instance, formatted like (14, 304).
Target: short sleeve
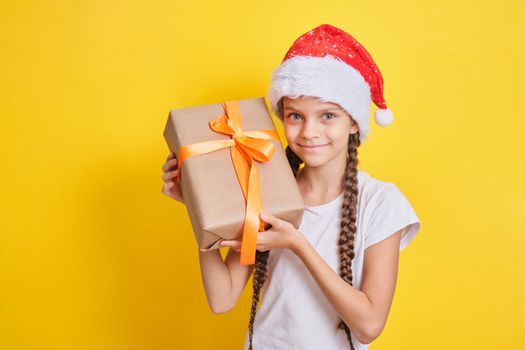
(388, 212)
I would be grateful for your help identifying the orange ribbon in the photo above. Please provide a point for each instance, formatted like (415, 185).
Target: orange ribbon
(245, 147)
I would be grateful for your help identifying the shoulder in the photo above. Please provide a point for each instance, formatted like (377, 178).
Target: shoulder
(382, 201)
(371, 187)
(384, 210)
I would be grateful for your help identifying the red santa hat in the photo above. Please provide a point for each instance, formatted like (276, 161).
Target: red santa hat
(328, 63)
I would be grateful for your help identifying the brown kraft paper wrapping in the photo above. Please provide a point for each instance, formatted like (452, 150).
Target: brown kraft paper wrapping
(212, 193)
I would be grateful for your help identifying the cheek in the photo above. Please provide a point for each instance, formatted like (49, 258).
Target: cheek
(291, 133)
(292, 136)
(337, 134)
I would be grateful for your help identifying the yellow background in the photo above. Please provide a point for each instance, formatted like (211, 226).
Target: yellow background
(93, 256)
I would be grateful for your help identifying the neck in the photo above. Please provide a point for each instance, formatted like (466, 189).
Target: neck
(324, 180)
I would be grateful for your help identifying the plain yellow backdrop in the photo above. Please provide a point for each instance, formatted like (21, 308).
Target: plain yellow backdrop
(93, 256)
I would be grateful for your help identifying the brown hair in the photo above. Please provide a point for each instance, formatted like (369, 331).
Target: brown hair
(346, 237)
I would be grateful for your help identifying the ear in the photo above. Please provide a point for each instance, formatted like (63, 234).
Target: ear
(353, 127)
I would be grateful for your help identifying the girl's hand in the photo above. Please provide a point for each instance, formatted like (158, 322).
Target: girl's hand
(282, 234)
(171, 186)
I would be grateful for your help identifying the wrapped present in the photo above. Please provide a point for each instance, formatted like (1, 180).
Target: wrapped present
(232, 166)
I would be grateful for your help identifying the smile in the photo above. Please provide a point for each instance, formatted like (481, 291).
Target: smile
(312, 147)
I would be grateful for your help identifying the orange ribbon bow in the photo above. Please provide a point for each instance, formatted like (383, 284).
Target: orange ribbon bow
(245, 146)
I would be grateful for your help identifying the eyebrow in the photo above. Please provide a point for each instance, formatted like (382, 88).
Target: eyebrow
(321, 110)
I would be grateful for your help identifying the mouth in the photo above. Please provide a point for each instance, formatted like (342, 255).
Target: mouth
(311, 146)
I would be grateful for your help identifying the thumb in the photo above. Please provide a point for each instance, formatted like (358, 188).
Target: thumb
(270, 219)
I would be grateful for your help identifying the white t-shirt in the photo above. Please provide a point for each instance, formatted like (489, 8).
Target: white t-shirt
(294, 313)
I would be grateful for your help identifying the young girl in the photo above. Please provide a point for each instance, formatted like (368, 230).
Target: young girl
(330, 283)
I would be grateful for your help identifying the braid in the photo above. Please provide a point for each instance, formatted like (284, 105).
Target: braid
(261, 258)
(348, 219)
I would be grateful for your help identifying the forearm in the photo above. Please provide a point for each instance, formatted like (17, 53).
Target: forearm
(351, 304)
(216, 279)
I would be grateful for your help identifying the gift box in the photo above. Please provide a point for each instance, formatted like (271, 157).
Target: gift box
(232, 166)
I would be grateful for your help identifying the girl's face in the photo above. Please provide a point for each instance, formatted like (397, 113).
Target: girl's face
(317, 131)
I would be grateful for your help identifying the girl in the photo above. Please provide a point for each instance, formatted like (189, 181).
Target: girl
(330, 283)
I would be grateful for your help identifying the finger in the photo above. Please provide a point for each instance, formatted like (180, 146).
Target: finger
(171, 155)
(262, 249)
(261, 237)
(169, 175)
(235, 245)
(169, 165)
(230, 242)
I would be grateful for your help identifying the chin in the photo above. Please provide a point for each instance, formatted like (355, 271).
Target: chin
(309, 156)
(313, 161)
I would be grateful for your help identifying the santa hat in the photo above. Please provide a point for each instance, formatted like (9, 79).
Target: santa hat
(330, 64)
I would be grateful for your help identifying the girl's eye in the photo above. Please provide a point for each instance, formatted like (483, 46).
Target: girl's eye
(290, 116)
(329, 115)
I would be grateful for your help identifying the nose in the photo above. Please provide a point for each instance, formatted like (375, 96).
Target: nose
(311, 129)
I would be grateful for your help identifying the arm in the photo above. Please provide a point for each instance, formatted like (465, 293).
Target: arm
(223, 281)
(365, 311)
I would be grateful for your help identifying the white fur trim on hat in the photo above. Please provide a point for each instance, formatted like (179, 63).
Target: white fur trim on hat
(327, 78)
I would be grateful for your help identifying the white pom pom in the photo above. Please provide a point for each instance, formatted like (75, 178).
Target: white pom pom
(383, 117)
